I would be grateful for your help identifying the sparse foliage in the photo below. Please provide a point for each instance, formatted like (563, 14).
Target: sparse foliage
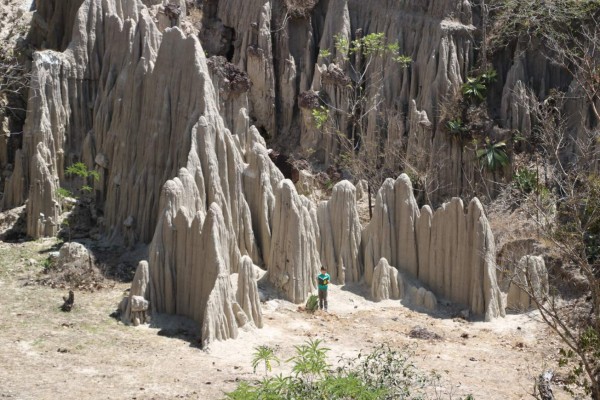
(475, 88)
(526, 180)
(299, 8)
(365, 151)
(456, 127)
(383, 374)
(572, 226)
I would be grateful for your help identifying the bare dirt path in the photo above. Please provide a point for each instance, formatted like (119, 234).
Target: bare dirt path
(87, 354)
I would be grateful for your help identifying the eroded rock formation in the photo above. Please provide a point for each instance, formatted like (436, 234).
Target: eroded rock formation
(340, 233)
(449, 251)
(134, 308)
(182, 168)
(294, 258)
(385, 282)
(528, 280)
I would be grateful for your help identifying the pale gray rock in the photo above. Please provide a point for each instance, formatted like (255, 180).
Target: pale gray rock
(388, 283)
(391, 234)
(529, 280)
(294, 259)
(261, 178)
(340, 233)
(74, 255)
(451, 253)
(247, 292)
(135, 306)
(385, 282)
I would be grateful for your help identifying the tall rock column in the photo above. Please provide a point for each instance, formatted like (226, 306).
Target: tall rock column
(340, 233)
(294, 259)
(391, 234)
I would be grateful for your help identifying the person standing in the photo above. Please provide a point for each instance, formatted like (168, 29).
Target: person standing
(323, 283)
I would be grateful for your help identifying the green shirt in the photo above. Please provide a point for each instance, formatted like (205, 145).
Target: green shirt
(323, 280)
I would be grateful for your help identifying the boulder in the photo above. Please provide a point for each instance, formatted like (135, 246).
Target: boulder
(74, 255)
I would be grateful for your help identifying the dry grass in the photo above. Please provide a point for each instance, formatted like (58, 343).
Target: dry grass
(300, 8)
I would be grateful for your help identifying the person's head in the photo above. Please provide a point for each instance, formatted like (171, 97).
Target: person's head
(323, 270)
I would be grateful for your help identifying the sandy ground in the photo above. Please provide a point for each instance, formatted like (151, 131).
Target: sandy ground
(87, 354)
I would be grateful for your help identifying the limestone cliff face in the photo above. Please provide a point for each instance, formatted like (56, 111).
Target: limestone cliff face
(182, 168)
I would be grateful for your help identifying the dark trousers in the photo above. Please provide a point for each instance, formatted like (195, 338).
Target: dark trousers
(323, 299)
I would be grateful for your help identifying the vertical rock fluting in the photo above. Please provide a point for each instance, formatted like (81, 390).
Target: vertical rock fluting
(451, 253)
(340, 233)
(144, 110)
(247, 292)
(529, 279)
(36, 176)
(392, 231)
(294, 259)
(261, 178)
(385, 282)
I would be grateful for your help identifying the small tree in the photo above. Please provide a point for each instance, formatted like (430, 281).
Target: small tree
(569, 212)
(366, 155)
(569, 220)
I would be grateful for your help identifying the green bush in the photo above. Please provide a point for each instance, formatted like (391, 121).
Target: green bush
(526, 180)
(475, 88)
(383, 374)
(493, 155)
(456, 127)
(312, 303)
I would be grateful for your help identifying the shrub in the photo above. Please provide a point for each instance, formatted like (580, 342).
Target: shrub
(526, 180)
(475, 88)
(493, 155)
(312, 303)
(300, 8)
(380, 375)
(456, 127)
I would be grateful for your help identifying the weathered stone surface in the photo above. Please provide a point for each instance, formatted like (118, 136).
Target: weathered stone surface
(261, 179)
(75, 255)
(451, 253)
(388, 283)
(142, 108)
(385, 282)
(247, 292)
(391, 233)
(135, 306)
(340, 233)
(294, 259)
(529, 278)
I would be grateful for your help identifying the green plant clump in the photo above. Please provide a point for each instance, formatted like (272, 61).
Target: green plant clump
(456, 127)
(526, 180)
(383, 374)
(475, 88)
(312, 303)
(493, 155)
